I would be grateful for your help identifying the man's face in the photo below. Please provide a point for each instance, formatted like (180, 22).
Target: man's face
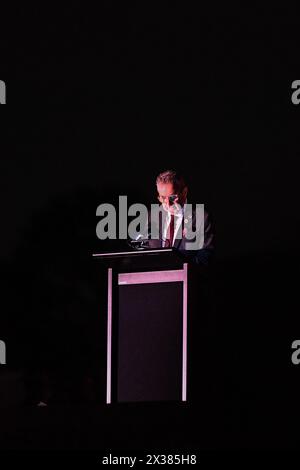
(165, 190)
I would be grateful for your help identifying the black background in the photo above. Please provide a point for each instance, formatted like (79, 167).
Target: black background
(99, 102)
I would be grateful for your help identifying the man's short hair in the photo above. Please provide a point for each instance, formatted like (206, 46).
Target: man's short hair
(174, 177)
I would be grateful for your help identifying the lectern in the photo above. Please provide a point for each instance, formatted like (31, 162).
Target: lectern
(147, 310)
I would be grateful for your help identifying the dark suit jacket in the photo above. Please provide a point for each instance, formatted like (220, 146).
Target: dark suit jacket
(202, 256)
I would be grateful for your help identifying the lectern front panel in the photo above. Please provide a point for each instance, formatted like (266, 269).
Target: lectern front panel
(147, 335)
(150, 341)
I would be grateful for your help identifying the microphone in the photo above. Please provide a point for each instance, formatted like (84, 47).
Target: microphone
(140, 243)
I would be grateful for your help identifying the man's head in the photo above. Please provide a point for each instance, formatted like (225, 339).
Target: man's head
(172, 189)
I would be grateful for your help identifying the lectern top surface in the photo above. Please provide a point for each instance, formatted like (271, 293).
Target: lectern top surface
(133, 252)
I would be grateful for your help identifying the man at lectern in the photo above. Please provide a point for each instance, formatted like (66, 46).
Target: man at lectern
(172, 193)
(178, 218)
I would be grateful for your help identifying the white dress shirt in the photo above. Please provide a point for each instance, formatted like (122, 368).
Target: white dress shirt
(178, 216)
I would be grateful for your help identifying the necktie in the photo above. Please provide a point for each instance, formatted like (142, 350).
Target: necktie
(171, 230)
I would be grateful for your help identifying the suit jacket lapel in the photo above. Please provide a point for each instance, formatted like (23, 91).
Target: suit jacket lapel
(178, 240)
